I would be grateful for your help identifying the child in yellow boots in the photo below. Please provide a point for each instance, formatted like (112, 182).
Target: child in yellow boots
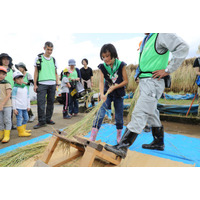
(21, 104)
(5, 106)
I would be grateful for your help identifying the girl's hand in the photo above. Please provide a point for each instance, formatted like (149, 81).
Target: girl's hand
(112, 88)
(15, 112)
(103, 97)
(78, 79)
(28, 109)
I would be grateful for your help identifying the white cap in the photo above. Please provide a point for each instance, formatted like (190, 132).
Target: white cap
(17, 74)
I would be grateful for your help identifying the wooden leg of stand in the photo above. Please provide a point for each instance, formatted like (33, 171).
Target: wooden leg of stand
(88, 157)
(50, 149)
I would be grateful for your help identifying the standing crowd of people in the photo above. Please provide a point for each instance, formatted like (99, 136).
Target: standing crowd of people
(152, 73)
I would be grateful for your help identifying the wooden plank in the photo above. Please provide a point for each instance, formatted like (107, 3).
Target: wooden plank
(63, 161)
(109, 156)
(92, 144)
(50, 149)
(88, 157)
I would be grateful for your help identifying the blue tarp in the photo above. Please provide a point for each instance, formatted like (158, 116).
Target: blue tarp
(177, 109)
(177, 147)
(129, 96)
(178, 97)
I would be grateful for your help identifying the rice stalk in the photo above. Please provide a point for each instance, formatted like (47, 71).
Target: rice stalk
(16, 157)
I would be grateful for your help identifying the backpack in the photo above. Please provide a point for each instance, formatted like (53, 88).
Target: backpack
(39, 61)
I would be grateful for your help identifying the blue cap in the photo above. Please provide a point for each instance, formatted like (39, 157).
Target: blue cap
(72, 62)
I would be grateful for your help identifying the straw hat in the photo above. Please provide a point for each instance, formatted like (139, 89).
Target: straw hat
(198, 51)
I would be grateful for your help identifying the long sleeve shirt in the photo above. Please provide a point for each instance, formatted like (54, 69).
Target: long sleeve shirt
(20, 98)
(176, 45)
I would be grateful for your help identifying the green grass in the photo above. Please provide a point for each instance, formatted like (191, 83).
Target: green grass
(33, 102)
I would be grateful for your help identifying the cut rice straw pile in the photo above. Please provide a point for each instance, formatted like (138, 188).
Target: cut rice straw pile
(18, 156)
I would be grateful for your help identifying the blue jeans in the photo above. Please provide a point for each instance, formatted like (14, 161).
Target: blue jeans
(118, 104)
(73, 103)
(22, 117)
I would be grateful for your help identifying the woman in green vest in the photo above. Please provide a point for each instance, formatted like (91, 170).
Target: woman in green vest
(27, 80)
(6, 61)
(74, 76)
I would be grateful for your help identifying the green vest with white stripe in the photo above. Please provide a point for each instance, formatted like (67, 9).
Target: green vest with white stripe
(150, 60)
(47, 72)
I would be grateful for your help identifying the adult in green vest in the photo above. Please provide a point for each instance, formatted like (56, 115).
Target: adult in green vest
(45, 83)
(28, 80)
(6, 61)
(153, 67)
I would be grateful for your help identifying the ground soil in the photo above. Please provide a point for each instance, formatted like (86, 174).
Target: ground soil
(133, 159)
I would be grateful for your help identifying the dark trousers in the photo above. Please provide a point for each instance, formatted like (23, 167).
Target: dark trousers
(65, 98)
(73, 103)
(118, 104)
(44, 91)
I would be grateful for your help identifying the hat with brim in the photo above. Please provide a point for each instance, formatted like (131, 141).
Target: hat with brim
(4, 55)
(21, 64)
(72, 62)
(17, 74)
(198, 51)
(66, 70)
(3, 69)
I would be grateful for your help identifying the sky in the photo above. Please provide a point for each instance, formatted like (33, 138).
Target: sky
(23, 48)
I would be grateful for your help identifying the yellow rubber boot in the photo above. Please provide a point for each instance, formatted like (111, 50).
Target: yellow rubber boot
(6, 136)
(1, 135)
(22, 132)
(28, 131)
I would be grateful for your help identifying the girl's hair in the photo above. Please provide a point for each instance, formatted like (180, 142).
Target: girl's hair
(85, 61)
(110, 48)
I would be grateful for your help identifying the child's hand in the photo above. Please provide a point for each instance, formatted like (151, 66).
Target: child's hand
(103, 98)
(112, 88)
(15, 112)
(28, 109)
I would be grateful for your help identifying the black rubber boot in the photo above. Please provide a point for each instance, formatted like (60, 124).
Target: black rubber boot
(158, 142)
(126, 141)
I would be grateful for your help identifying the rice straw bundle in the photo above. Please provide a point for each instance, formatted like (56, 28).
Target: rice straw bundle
(16, 157)
(85, 124)
(133, 103)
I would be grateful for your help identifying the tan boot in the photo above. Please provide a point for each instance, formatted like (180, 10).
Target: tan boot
(22, 132)
(1, 134)
(6, 136)
(28, 131)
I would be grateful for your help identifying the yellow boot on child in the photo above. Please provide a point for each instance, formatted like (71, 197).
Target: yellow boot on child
(6, 136)
(22, 132)
(28, 131)
(1, 135)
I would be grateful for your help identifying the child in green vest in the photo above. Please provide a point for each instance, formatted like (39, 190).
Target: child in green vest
(5, 106)
(27, 80)
(6, 61)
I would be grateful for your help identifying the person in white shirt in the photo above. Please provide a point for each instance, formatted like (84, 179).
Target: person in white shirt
(21, 104)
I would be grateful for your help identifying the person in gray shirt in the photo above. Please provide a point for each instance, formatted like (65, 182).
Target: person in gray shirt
(153, 67)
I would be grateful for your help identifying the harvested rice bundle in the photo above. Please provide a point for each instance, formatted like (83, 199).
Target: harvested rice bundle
(16, 157)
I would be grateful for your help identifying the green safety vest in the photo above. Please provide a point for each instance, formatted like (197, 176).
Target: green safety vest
(150, 60)
(73, 75)
(9, 78)
(47, 72)
(25, 79)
